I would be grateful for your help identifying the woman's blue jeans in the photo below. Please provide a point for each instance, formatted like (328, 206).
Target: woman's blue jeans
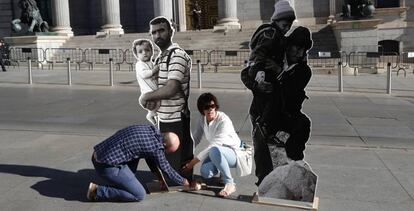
(123, 185)
(220, 159)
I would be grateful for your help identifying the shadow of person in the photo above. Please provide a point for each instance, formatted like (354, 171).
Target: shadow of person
(71, 186)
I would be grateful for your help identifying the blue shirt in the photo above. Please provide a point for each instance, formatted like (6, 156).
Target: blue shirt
(135, 142)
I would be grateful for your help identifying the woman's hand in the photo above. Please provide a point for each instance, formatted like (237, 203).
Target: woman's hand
(190, 165)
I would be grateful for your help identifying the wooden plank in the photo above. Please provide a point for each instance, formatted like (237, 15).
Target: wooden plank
(154, 188)
(286, 203)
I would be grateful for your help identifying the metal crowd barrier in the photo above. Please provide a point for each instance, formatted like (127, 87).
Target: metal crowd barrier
(214, 58)
(102, 56)
(406, 61)
(228, 58)
(129, 59)
(19, 55)
(326, 59)
(389, 57)
(60, 55)
(358, 60)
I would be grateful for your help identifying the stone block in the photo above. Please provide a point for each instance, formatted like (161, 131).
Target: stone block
(294, 181)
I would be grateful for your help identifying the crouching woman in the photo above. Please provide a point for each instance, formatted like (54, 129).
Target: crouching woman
(219, 156)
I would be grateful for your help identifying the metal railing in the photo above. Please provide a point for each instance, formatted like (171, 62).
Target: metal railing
(60, 55)
(21, 55)
(406, 61)
(214, 58)
(326, 59)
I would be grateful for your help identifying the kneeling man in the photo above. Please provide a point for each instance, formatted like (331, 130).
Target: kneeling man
(116, 160)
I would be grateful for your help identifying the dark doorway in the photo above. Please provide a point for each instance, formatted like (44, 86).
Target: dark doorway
(388, 47)
(388, 3)
(209, 13)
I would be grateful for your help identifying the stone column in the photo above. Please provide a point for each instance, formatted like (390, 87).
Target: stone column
(332, 11)
(163, 8)
(111, 17)
(182, 16)
(61, 18)
(227, 15)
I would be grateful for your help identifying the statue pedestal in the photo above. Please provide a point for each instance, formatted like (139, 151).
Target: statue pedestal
(41, 41)
(357, 35)
(227, 24)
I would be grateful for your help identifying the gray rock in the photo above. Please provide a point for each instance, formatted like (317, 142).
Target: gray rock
(293, 181)
(278, 155)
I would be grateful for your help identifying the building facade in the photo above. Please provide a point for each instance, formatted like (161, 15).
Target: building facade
(394, 25)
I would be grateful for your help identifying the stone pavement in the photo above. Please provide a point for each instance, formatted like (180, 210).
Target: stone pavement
(362, 143)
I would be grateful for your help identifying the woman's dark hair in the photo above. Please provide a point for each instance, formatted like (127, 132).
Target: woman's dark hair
(205, 100)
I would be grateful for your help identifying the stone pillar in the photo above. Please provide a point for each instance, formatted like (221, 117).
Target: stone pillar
(182, 16)
(111, 17)
(163, 8)
(61, 18)
(332, 11)
(227, 15)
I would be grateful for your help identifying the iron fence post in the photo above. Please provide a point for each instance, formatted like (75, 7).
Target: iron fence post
(340, 77)
(389, 78)
(69, 71)
(199, 73)
(29, 67)
(111, 72)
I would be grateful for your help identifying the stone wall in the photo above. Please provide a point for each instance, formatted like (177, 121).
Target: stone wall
(311, 12)
(6, 16)
(247, 12)
(409, 30)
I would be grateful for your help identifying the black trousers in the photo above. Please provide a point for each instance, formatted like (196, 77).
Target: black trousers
(2, 64)
(299, 127)
(184, 153)
(262, 157)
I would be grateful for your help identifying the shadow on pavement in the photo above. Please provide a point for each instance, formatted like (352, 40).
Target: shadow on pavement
(71, 186)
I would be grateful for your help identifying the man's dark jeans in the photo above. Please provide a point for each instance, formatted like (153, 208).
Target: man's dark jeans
(124, 186)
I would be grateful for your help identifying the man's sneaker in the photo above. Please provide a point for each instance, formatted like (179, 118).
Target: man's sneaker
(91, 194)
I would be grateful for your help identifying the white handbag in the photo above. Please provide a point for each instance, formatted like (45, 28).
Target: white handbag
(244, 158)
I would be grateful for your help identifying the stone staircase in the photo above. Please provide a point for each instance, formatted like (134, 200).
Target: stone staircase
(323, 37)
(205, 39)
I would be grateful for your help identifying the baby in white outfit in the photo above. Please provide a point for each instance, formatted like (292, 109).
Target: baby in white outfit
(146, 73)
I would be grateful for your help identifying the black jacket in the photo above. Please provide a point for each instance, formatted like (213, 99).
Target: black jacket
(267, 49)
(293, 84)
(296, 123)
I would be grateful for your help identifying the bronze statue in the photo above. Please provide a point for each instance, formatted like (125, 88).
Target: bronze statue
(31, 16)
(357, 9)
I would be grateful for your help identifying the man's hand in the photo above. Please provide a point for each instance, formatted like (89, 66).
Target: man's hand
(265, 87)
(150, 105)
(186, 184)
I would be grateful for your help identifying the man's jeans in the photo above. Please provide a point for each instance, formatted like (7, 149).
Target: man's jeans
(124, 186)
(220, 159)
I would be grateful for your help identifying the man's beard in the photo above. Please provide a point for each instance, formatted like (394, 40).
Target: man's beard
(161, 43)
